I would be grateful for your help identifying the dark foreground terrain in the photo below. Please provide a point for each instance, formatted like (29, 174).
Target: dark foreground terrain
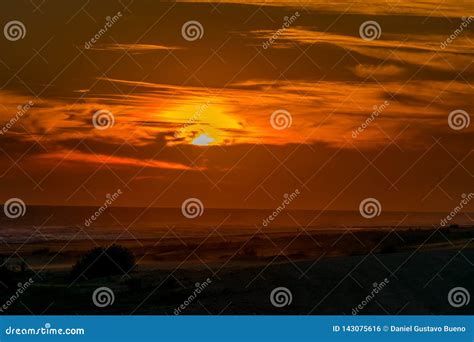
(417, 269)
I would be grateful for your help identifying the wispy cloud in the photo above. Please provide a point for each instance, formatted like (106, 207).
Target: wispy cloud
(324, 111)
(451, 7)
(364, 70)
(92, 158)
(421, 50)
(134, 48)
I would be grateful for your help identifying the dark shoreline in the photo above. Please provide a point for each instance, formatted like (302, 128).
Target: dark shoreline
(327, 273)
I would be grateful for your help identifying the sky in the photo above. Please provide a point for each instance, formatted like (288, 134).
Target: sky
(266, 98)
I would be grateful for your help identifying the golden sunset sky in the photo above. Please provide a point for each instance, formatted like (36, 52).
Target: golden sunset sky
(192, 118)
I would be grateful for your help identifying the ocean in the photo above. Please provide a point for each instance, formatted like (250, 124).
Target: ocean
(47, 223)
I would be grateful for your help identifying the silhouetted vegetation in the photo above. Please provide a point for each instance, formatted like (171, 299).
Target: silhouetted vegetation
(41, 251)
(101, 262)
(10, 274)
(6, 274)
(389, 249)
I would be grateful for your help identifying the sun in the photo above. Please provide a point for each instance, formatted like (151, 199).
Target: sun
(203, 140)
(203, 125)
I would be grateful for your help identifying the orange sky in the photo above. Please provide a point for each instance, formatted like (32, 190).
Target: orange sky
(193, 118)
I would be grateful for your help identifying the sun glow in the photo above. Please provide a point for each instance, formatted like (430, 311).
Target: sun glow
(203, 140)
(202, 124)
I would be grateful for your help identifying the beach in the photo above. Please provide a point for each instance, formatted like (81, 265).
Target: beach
(327, 271)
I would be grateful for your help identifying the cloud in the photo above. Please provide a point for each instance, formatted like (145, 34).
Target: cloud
(411, 49)
(364, 70)
(135, 48)
(92, 158)
(324, 111)
(445, 8)
(224, 88)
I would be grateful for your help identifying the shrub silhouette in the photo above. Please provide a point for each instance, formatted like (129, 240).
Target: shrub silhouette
(7, 276)
(101, 262)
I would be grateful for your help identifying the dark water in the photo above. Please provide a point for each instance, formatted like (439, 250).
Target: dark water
(66, 223)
